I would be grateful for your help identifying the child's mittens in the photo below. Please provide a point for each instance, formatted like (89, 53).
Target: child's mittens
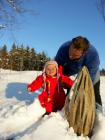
(29, 89)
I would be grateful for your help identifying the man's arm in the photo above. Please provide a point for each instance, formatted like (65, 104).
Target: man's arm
(92, 62)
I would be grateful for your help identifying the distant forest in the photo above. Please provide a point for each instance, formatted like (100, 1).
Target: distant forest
(102, 72)
(21, 58)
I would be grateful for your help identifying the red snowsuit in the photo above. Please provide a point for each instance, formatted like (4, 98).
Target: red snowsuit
(53, 96)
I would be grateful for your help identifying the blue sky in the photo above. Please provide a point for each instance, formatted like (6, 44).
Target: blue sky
(59, 21)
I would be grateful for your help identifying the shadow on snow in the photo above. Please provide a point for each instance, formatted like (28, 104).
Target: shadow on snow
(19, 91)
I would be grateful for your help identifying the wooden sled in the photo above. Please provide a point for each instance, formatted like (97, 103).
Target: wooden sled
(80, 104)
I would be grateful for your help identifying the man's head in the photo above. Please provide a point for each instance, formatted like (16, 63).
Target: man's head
(78, 47)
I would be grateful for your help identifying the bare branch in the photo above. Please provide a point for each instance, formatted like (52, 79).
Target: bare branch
(2, 26)
(11, 10)
(101, 7)
(16, 6)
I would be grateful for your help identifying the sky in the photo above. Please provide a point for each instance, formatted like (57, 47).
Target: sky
(18, 117)
(58, 21)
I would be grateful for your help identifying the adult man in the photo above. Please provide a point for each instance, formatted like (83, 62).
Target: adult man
(74, 54)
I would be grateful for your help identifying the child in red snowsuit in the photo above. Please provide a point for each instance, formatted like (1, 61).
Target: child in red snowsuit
(53, 96)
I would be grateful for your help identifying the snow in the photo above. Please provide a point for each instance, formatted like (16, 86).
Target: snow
(19, 112)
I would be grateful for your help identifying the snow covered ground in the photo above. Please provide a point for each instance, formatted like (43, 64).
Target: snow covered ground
(17, 116)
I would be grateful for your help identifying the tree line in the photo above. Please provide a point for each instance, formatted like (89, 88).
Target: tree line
(102, 72)
(22, 58)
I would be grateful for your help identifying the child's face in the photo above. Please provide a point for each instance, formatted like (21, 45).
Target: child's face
(51, 70)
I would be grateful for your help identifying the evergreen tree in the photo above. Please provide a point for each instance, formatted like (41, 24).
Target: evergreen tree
(4, 57)
(27, 58)
(102, 72)
(41, 59)
(33, 59)
(13, 57)
(22, 58)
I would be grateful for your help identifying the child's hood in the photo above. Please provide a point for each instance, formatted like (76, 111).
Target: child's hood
(51, 62)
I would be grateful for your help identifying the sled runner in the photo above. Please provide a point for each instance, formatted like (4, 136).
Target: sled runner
(80, 104)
